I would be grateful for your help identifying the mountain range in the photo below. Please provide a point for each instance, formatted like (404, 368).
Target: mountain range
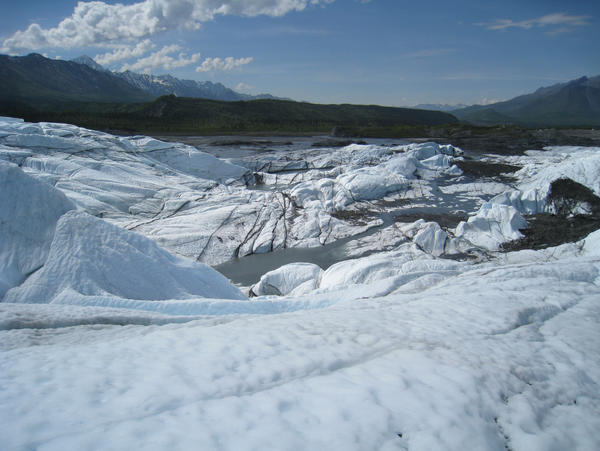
(160, 85)
(43, 83)
(574, 103)
(84, 93)
(34, 82)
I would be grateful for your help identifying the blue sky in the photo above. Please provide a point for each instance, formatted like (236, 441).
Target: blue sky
(389, 52)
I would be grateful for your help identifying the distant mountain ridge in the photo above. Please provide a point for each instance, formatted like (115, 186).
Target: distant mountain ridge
(42, 82)
(574, 103)
(89, 62)
(159, 85)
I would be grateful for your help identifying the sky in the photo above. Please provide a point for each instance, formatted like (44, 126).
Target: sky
(387, 52)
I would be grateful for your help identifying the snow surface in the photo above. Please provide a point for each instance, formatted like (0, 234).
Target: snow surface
(502, 355)
(397, 348)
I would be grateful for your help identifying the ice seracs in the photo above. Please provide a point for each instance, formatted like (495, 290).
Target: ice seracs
(212, 210)
(542, 169)
(187, 159)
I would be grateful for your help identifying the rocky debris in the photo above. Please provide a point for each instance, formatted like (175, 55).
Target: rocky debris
(481, 168)
(516, 141)
(568, 198)
(575, 213)
(546, 230)
(244, 142)
(337, 142)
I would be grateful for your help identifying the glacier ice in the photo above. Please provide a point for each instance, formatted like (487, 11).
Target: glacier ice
(492, 225)
(294, 279)
(91, 257)
(47, 248)
(396, 346)
(29, 210)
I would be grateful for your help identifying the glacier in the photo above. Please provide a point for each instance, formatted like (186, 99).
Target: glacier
(384, 312)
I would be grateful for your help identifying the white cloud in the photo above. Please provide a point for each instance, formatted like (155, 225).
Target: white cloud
(243, 87)
(99, 23)
(486, 101)
(125, 52)
(560, 22)
(229, 63)
(163, 59)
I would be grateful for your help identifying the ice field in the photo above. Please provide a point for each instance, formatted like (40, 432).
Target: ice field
(368, 303)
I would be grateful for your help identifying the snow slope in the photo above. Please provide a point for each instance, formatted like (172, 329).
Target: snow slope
(29, 210)
(49, 253)
(496, 357)
(91, 257)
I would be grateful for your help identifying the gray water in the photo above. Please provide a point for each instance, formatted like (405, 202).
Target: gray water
(247, 270)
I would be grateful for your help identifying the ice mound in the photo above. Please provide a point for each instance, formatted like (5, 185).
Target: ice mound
(409, 267)
(579, 164)
(427, 150)
(528, 202)
(400, 267)
(91, 257)
(187, 159)
(493, 225)
(70, 139)
(429, 237)
(29, 210)
(366, 183)
(295, 279)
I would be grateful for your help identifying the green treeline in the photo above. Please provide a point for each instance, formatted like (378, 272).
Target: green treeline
(170, 114)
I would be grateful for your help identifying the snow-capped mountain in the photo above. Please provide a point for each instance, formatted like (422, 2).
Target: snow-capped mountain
(42, 82)
(159, 85)
(89, 62)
